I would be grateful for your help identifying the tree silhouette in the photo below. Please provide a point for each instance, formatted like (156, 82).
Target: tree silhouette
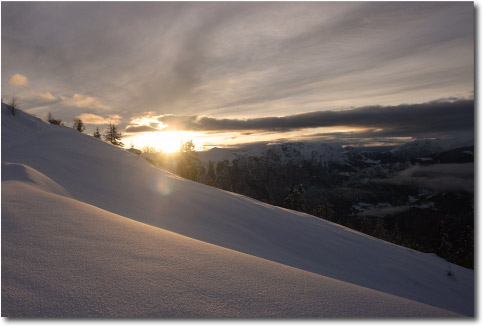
(54, 121)
(188, 163)
(78, 125)
(296, 199)
(113, 136)
(323, 210)
(97, 134)
(210, 174)
(13, 105)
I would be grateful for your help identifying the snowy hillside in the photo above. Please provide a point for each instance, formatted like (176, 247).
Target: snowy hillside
(72, 244)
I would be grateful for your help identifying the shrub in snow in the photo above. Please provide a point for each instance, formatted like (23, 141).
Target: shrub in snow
(54, 121)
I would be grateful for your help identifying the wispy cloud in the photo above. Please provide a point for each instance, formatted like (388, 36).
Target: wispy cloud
(47, 96)
(84, 101)
(98, 120)
(225, 58)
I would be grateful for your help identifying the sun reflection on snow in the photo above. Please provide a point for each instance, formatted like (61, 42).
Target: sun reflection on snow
(162, 185)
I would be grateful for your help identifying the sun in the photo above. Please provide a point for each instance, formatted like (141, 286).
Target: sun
(165, 141)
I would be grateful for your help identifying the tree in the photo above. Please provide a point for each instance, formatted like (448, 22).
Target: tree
(113, 136)
(296, 199)
(223, 180)
(78, 125)
(54, 121)
(188, 162)
(97, 134)
(445, 248)
(149, 150)
(13, 105)
(380, 231)
(323, 210)
(210, 174)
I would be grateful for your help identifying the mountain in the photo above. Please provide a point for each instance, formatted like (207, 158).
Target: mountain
(417, 148)
(89, 229)
(327, 154)
(290, 152)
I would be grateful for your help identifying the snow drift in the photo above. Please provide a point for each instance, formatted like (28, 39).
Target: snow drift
(68, 248)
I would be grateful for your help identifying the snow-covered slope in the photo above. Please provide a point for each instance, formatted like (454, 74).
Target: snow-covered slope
(65, 258)
(97, 180)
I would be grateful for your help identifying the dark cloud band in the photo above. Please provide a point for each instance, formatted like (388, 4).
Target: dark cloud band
(136, 129)
(436, 117)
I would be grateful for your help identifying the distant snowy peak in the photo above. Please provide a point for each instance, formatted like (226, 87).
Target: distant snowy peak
(314, 152)
(425, 148)
(418, 149)
(290, 152)
(328, 153)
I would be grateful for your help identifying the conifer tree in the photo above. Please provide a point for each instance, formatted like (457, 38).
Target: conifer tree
(78, 125)
(380, 231)
(296, 199)
(210, 174)
(188, 163)
(97, 134)
(323, 210)
(113, 136)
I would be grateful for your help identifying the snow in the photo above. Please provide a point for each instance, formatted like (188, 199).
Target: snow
(80, 261)
(92, 230)
(370, 161)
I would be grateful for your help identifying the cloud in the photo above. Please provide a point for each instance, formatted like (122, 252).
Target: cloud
(147, 122)
(19, 80)
(401, 120)
(47, 96)
(440, 177)
(82, 101)
(98, 120)
(140, 128)
(242, 57)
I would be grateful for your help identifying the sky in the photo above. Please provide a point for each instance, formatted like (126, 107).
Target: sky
(231, 73)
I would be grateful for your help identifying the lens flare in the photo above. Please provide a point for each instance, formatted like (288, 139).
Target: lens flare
(162, 185)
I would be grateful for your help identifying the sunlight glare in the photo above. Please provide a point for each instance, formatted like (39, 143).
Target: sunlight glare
(165, 141)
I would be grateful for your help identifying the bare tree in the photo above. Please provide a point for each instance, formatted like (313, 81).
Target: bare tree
(13, 105)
